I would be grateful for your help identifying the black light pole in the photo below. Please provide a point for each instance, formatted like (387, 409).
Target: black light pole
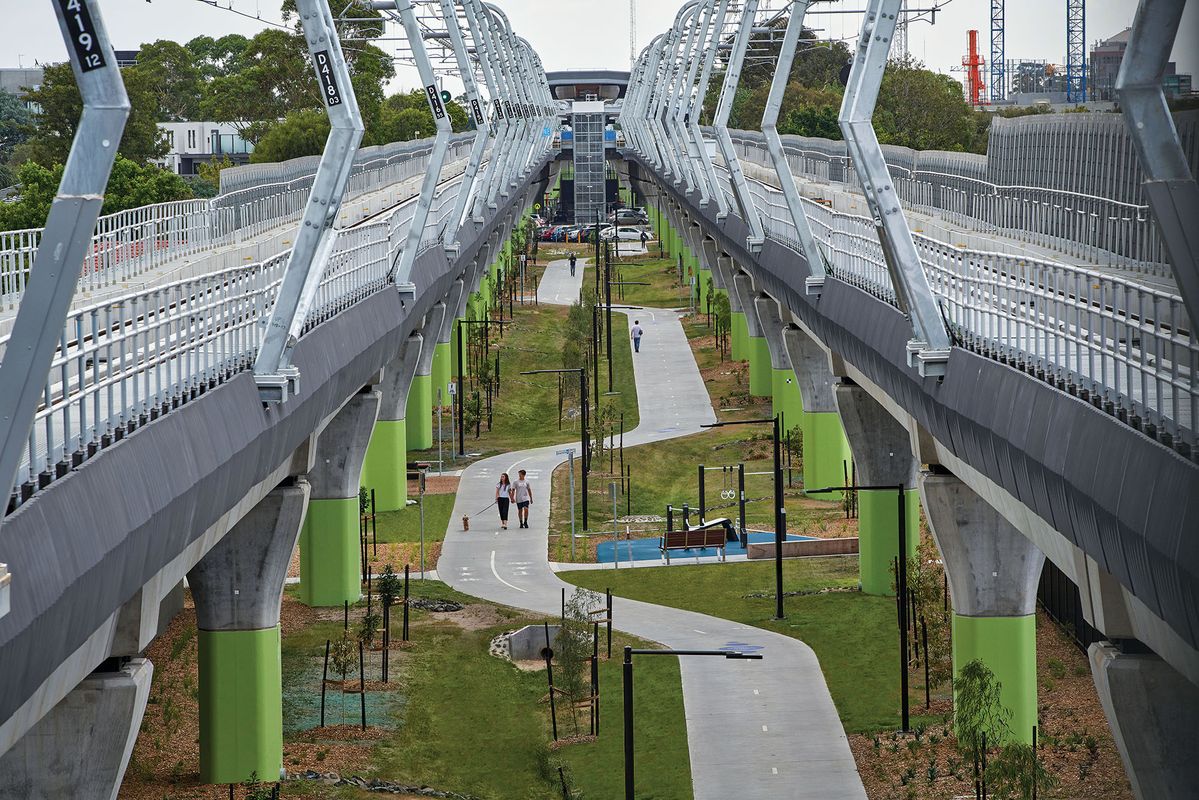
(608, 304)
(901, 583)
(585, 448)
(461, 400)
(629, 652)
(780, 512)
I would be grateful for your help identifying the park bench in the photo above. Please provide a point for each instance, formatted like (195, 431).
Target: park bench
(713, 533)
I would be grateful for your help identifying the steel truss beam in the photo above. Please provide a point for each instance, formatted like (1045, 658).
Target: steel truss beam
(929, 349)
(774, 146)
(66, 239)
(277, 378)
(1169, 185)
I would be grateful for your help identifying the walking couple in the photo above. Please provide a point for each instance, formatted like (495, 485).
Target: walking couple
(520, 492)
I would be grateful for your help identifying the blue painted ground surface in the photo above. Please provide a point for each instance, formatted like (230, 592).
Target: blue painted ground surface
(647, 549)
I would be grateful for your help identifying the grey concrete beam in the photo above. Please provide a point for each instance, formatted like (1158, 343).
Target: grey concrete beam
(342, 448)
(455, 302)
(710, 253)
(810, 363)
(993, 569)
(772, 329)
(1154, 715)
(80, 749)
(431, 333)
(743, 285)
(881, 448)
(726, 268)
(238, 585)
(397, 378)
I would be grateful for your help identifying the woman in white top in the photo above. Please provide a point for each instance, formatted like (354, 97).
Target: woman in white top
(503, 495)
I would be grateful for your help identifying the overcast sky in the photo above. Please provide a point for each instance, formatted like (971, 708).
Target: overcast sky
(595, 33)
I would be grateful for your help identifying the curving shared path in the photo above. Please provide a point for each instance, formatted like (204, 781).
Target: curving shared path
(763, 730)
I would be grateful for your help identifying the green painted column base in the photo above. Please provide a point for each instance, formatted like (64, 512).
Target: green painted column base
(826, 456)
(442, 365)
(786, 398)
(330, 565)
(241, 706)
(419, 413)
(759, 367)
(1008, 646)
(385, 468)
(704, 276)
(740, 345)
(878, 536)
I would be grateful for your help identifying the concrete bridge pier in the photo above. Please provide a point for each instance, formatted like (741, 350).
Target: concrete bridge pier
(80, 749)
(444, 357)
(739, 333)
(826, 456)
(385, 467)
(238, 588)
(882, 455)
(420, 396)
(330, 564)
(993, 572)
(784, 387)
(1153, 711)
(757, 351)
(699, 265)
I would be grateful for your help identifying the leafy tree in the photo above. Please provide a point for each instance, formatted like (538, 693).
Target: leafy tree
(274, 78)
(302, 133)
(129, 186)
(61, 106)
(174, 78)
(572, 650)
(216, 58)
(923, 110)
(978, 713)
(16, 124)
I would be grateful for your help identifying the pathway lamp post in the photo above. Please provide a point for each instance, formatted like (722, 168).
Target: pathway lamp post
(629, 652)
(570, 454)
(585, 448)
(780, 512)
(901, 583)
(460, 397)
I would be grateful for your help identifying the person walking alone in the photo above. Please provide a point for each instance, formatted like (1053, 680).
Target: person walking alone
(522, 493)
(635, 333)
(503, 496)
(572, 265)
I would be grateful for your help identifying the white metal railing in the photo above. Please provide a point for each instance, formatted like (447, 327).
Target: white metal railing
(1104, 230)
(125, 361)
(133, 242)
(1125, 347)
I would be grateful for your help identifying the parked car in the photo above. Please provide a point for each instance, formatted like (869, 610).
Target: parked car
(631, 216)
(625, 233)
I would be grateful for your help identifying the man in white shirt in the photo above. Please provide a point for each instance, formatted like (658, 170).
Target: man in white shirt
(636, 331)
(522, 493)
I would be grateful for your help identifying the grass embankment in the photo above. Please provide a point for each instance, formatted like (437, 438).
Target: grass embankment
(661, 274)
(525, 414)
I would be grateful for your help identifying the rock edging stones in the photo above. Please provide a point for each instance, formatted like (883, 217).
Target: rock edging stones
(381, 787)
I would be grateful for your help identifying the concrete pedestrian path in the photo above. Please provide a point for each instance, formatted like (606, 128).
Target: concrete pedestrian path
(757, 730)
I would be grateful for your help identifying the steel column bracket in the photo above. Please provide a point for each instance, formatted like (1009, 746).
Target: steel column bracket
(1169, 186)
(808, 245)
(404, 9)
(732, 77)
(277, 379)
(930, 346)
(697, 109)
(67, 237)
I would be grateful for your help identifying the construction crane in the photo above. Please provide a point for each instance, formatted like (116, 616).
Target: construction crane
(1076, 51)
(973, 64)
(998, 57)
(632, 33)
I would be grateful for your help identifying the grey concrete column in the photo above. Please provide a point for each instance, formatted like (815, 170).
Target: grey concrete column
(710, 252)
(993, 573)
(81, 747)
(726, 268)
(772, 331)
(455, 303)
(384, 469)
(817, 384)
(826, 457)
(330, 569)
(434, 324)
(238, 589)
(882, 456)
(1154, 715)
(743, 286)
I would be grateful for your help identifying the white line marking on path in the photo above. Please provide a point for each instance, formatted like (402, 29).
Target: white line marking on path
(697, 630)
(774, 770)
(755, 691)
(501, 580)
(764, 729)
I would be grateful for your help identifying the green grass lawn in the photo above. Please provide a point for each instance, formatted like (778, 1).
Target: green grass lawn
(475, 724)
(667, 472)
(404, 525)
(526, 412)
(852, 634)
(662, 276)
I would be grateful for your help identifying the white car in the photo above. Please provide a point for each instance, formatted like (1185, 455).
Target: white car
(624, 233)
